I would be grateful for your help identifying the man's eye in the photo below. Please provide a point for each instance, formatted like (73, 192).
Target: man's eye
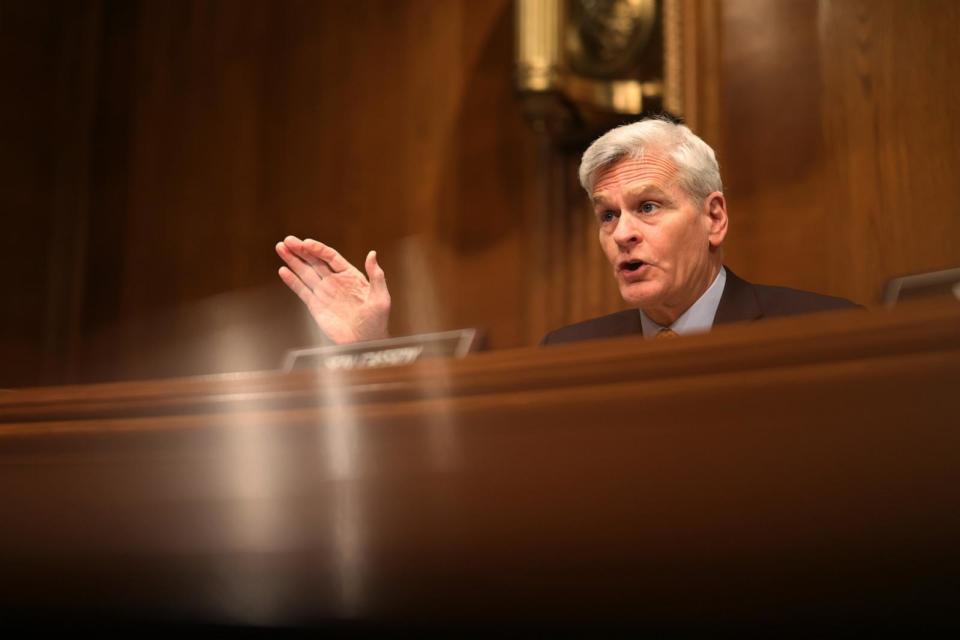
(649, 207)
(608, 216)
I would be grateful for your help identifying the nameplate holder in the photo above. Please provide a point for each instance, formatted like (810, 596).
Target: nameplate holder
(382, 353)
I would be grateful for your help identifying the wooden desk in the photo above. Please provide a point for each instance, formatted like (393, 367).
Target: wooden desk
(795, 471)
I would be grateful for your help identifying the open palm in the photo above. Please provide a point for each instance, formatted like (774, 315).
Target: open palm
(345, 304)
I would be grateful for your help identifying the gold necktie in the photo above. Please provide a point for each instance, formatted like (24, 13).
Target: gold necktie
(666, 334)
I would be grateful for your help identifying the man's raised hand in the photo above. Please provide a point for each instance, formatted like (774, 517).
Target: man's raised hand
(347, 306)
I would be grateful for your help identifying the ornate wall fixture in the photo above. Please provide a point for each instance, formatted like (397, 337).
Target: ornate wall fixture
(584, 65)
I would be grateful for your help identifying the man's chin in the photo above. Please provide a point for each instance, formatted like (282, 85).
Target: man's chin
(640, 294)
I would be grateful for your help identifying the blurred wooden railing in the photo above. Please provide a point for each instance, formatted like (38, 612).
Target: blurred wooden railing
(793, 471)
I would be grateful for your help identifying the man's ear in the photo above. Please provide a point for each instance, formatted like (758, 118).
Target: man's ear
(715, 208)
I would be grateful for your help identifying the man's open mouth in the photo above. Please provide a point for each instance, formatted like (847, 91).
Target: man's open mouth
(631, 265)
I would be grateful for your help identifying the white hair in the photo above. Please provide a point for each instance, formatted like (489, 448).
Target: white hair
(696, 162)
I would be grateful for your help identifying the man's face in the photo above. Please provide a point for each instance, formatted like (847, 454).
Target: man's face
(661, 244)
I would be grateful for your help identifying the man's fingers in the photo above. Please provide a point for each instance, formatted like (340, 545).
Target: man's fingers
(319, 265)
(298, 248)
(378, 279)
(294, 244)
(296, 285)
(337, 263)
(305, 272)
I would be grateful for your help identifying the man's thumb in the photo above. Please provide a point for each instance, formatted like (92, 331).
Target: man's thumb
(378, 279)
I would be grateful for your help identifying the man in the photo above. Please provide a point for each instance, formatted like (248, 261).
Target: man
(658, 199)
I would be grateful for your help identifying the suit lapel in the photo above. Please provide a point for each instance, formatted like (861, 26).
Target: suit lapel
(738, 302)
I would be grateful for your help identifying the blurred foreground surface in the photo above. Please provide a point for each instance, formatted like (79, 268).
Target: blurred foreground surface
(800, 472)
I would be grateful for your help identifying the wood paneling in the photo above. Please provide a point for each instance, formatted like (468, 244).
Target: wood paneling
(840, 139)
(375, 124)
(161, 148)
(49, 65)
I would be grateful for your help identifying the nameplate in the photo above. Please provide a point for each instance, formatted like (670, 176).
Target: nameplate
(383, 353)
(932, 284)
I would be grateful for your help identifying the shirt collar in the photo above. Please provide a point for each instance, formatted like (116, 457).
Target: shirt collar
(698, 318)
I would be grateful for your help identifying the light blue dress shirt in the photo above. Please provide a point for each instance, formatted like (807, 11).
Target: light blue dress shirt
(698, 318)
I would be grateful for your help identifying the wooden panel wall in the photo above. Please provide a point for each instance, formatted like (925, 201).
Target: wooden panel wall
(49, 67)
(374, 124)
(222, 125)
(160, 149)
(840, 141)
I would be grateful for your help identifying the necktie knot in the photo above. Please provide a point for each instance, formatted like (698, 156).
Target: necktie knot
(666, 334)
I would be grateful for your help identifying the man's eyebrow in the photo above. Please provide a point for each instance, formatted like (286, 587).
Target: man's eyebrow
(598, 199)
(645, 190)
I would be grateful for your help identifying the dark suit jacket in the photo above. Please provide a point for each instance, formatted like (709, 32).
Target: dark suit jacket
(741, 301)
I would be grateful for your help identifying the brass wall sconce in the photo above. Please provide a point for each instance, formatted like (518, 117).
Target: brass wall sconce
(584, 65)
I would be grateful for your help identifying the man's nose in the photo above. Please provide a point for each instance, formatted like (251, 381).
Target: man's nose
(626, 232)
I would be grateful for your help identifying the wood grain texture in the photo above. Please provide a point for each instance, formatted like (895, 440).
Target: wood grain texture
(841, 144)
(368, 125)
(161, 148)
(49, 63)
(206, 131)
(895, 140)
(921, 327)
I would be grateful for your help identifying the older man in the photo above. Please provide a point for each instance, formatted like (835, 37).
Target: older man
(658, 199)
